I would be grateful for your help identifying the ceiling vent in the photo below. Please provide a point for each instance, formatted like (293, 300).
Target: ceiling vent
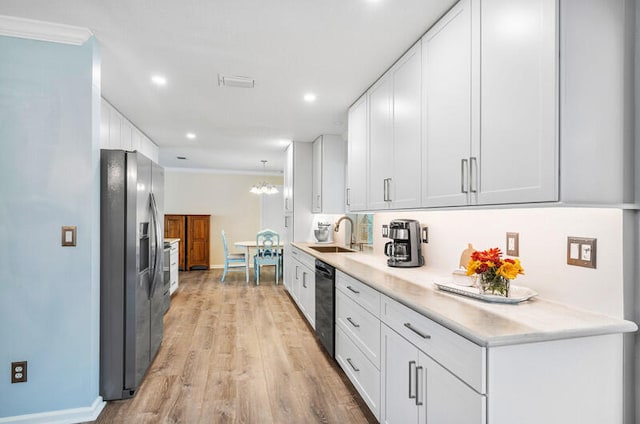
(235, 81)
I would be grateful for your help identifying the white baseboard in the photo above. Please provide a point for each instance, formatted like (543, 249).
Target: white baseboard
(64, 416)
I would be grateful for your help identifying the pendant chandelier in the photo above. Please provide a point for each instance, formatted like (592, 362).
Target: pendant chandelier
(263, 187)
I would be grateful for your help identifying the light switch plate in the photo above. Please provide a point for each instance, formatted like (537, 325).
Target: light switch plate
(581, 251)
(68, 235)
(513, 244)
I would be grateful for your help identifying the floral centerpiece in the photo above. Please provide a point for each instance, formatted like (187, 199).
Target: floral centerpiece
(494, 273)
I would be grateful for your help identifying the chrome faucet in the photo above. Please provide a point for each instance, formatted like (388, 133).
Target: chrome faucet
(353, 228)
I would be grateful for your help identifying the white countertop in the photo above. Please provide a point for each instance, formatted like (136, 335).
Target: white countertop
(486, 324)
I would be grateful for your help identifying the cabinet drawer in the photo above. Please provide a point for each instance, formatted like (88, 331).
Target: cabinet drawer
(362, 294)
(362, 327)
(304, 259)
(460, 356)
(362, 373)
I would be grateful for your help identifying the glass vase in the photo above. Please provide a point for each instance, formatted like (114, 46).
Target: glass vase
(494, 284)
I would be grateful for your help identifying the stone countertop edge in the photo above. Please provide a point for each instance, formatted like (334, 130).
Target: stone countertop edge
(486, 324)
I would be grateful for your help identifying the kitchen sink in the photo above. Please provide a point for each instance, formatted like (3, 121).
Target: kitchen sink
(331, 249)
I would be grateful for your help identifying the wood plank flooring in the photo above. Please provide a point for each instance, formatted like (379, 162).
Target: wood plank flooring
(238, 353)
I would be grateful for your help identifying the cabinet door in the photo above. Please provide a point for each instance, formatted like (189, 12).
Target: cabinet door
(198, 241)
(380, 143)
(404, 186)
(288, 179)
(174, 227)
(444, 398)
(398, 383)
(518, 150)
(357, 156)
(115, 124)
(105, 109)
(126, 133)
(297, 278)
(447, 104)
(316, 184)
(308, 295)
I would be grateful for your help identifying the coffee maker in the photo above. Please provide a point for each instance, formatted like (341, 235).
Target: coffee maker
(405, 250)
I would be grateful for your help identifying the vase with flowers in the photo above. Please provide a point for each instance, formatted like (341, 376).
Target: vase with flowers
(494, 273)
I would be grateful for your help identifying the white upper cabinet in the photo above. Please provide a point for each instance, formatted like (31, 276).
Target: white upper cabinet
(288, 179)
(117, 132)
(328, 179)
(446, 58)
(394, 135)
(380, 143)
(518, 147)
(115, 126)
(490, 100)
(357, 156)
(404, 188)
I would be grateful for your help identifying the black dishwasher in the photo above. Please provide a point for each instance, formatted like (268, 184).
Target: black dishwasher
(325, 306)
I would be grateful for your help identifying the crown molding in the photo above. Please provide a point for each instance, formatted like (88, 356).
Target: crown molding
(12, 26)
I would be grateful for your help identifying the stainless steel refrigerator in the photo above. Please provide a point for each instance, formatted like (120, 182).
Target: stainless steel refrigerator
(133, 294)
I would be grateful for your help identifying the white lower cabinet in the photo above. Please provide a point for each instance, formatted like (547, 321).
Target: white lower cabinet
(171, 265)
(361, 371)
(301, 283)
(416, 389)
(308, 294)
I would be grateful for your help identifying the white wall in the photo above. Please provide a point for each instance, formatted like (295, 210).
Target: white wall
(543, 248)
(225, 197)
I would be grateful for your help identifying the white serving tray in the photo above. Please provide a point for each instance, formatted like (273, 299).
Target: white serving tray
(517, 294)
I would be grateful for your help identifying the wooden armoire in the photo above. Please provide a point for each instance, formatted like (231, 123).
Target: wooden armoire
(193, 232)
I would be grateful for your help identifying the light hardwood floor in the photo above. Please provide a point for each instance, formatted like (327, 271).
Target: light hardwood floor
(233, 352)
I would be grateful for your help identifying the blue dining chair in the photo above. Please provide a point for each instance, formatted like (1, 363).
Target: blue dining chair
(233, 261)
(268, 252)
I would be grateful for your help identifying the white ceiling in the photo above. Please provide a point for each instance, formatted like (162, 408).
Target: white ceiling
(334, 48)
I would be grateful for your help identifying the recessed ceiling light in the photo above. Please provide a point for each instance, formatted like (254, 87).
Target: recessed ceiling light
(159, 80)
(309, 97)
(190, 136)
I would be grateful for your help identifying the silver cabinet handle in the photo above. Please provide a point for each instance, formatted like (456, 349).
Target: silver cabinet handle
(418, 332)
(286, 203)
(419, 401)
(286, 222)
(353, 323)
(353, 290)
(387, 189)
(384, 190)
(353, 366)
(473, 175)
(318, 201)
(464, 163)
(297, 272)
(348, 197)
(412, 364)
(304, 279)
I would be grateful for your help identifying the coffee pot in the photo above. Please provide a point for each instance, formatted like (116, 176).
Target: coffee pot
(405, 249)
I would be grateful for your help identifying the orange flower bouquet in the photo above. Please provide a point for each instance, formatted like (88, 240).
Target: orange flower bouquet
(494, 273)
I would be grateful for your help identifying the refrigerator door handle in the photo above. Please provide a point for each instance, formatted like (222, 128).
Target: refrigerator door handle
(156, 248)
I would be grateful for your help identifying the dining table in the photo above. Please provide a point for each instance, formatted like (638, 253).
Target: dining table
(251, 244)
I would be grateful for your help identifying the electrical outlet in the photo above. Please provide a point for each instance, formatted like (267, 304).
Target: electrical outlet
(513, 244)
(581, 251)
(19, 372)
